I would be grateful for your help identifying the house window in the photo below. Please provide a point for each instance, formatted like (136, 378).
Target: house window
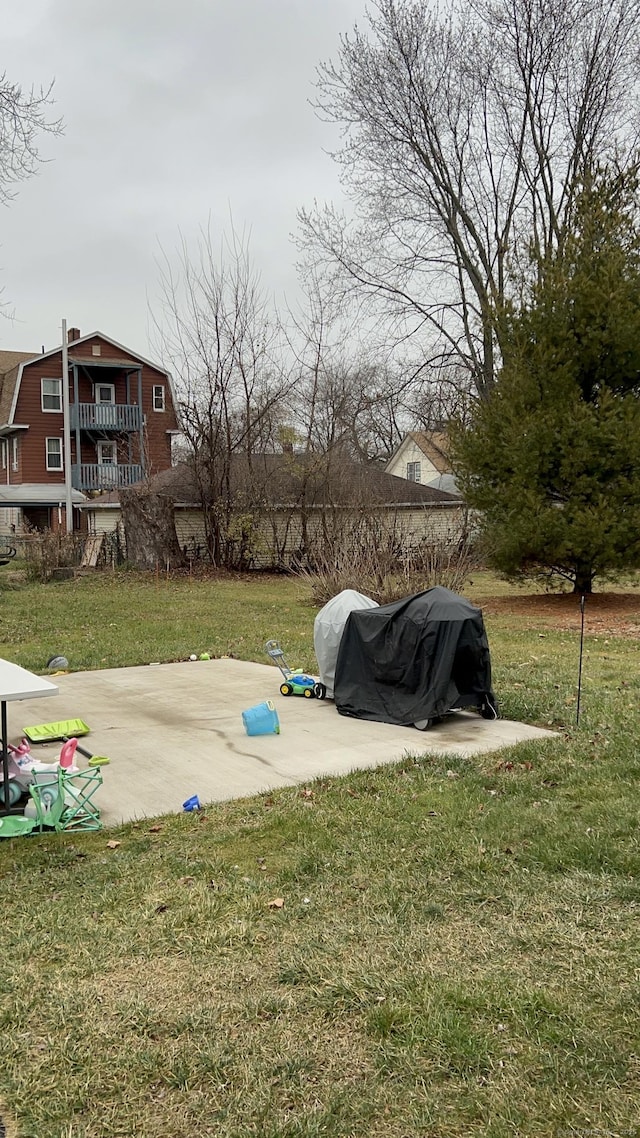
(51, 394)
(413, 471)
(54, 454)
(107, 465)
(14, 453)
(3, 453)
(95, 349)
(105, 393)
(158, 397)
(107, 454)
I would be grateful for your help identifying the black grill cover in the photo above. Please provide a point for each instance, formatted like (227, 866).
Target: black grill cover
(414, 659)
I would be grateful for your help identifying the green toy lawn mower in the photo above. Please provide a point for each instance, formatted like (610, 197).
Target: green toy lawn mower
(295, 681)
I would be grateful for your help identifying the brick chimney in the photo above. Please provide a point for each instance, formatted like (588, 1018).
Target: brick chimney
(73, 334)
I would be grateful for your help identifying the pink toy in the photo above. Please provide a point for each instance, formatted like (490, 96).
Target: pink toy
(67, 753)
(23, 748)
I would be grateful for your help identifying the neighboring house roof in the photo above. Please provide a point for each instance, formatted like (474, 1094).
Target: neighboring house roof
(281, 479)
(9, 367)
(445, 482)
(435, 446)
(14, 363)
(9, 360)
(38, 494)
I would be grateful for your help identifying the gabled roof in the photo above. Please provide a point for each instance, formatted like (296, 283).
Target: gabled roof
(15, 363)
(282, 479)
(434, 446)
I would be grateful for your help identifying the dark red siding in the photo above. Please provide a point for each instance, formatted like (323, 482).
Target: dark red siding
(42, 424)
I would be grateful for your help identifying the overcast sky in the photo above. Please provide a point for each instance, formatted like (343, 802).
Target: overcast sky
(175, 111)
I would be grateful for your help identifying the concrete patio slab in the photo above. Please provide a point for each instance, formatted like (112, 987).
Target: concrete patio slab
(175, 730)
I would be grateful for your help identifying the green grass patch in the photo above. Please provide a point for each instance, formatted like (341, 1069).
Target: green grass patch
(456, 953)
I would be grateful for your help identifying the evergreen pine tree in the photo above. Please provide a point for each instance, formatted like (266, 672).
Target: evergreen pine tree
(552, 459)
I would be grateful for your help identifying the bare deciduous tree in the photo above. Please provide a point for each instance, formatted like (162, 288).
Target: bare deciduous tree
(350, 397)
(218, 335)
(23, 118)
(468, 130)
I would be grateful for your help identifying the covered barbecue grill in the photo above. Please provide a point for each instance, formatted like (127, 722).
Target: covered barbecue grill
(412, 661)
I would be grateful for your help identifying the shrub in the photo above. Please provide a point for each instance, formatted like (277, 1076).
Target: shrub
(376, 562)
(45, 552)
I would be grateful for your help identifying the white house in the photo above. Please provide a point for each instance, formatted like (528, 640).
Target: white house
(422, 457)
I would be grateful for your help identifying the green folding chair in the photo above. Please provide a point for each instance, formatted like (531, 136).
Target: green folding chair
(64, 798)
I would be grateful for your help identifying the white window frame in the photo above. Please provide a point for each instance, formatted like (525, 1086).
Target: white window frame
(3, 453)
(51, 410)
(158, 388)
(414, 472)
(15, 461)
(112, 447)
(105, 402)
(58, 440)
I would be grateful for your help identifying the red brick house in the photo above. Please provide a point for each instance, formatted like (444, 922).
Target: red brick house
(122, 413)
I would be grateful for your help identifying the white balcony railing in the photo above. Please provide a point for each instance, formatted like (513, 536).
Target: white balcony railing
(105, 476)
(105, 416)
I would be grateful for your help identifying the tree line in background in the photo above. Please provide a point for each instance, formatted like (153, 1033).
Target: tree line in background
(486, 274)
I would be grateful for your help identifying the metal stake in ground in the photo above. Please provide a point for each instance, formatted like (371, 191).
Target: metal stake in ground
(583, 600)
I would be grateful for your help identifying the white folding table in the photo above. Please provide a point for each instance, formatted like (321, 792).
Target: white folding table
(16, 683)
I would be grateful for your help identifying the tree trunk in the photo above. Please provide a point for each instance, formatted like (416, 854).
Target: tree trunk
(150, 530)
(583, 581)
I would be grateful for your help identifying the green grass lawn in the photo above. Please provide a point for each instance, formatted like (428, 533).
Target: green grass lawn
(457, 948)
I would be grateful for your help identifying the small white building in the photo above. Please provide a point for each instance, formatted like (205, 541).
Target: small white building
(285, 524)
(422, 457)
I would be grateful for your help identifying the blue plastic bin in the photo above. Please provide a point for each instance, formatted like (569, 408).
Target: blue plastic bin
(261, 719)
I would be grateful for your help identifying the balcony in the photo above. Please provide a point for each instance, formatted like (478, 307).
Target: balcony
(104, 476)
(105, 417)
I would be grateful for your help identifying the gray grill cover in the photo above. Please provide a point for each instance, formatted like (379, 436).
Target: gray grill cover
(328, 628)
(414, 659)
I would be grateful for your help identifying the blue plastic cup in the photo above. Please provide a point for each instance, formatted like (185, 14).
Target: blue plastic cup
(261, 719)
(192, 803)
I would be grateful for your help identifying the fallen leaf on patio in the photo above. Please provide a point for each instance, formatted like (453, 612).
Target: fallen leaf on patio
(113, 845)
(277, 903)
